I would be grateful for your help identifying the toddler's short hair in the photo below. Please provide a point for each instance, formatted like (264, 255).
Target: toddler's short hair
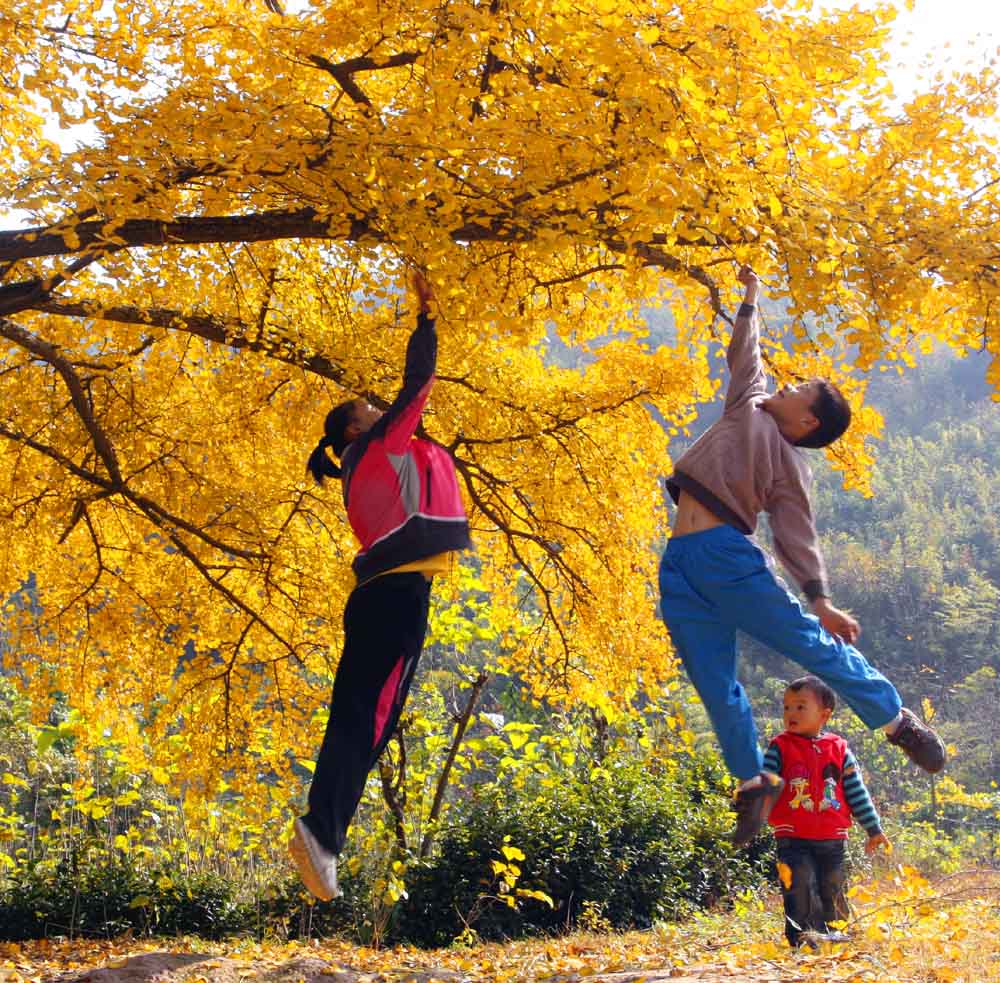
(833, 413)
(816, 686)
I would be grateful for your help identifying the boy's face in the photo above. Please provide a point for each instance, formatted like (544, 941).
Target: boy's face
(804, 713)
(791, 407)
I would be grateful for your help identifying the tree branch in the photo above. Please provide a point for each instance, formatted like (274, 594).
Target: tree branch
(223, 331)
(47, 352)
(185, 230)
(461, 725)
(343, 71)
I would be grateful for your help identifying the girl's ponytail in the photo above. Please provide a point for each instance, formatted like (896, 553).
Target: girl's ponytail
(319, 465)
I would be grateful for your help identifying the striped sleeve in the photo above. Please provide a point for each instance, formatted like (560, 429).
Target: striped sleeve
(858, 800)
(772, 759)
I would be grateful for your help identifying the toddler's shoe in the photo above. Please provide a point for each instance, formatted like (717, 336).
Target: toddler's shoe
(317, 866)
(753, 806)
(920, 744)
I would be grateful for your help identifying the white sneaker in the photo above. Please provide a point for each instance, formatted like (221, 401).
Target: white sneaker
(317, 866)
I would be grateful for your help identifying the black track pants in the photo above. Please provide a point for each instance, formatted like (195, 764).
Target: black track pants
(816, 868)
(385, 622)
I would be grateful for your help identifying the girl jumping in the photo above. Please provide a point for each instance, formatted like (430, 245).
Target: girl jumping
(403, 503)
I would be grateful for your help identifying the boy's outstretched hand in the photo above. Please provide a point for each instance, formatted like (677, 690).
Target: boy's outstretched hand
(876, 841)
(748, 278)
(423, 290)
(838, 623)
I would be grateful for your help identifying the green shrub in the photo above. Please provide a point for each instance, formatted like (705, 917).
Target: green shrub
(108, 900)
(629, 846)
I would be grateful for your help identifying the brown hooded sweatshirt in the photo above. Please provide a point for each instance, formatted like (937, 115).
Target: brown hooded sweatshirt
(742, 466)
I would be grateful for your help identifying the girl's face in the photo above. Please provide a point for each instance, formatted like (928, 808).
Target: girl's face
(365, 417)
(804, 713)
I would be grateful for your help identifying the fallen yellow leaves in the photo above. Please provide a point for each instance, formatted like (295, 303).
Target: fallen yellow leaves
(904, 929)
(785, 875)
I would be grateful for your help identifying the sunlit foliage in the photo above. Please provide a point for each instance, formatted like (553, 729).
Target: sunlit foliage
(222, 257)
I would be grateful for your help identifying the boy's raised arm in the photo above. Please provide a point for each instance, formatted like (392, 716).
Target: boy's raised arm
(746, 368)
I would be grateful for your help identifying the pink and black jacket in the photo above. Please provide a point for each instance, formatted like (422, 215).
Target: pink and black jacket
(400, 491)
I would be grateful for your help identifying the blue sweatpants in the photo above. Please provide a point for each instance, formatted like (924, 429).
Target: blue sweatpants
(716, 582)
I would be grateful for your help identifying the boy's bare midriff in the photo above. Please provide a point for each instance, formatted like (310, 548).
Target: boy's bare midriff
(692, 516)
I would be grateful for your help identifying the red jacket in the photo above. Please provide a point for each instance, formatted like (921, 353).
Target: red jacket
(812, 804)
(401, 491)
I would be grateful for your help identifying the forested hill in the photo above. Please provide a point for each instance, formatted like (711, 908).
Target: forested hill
(919, 562)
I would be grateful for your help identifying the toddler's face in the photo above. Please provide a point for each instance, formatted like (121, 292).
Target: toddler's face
(804, 713)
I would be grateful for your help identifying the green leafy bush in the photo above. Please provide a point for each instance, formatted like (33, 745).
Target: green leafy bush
(627, 842)
(103, 900)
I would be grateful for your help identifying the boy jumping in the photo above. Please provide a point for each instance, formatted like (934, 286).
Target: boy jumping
(715, 580)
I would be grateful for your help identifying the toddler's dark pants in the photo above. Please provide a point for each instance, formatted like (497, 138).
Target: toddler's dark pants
(817, 868)
(385, 622)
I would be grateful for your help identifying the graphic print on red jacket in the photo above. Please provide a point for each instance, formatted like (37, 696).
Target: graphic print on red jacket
(812, 804)
(401, 491)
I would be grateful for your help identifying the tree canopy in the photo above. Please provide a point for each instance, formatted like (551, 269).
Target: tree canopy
(222, 257)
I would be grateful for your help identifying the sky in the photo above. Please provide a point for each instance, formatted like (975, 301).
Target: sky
(948, 33)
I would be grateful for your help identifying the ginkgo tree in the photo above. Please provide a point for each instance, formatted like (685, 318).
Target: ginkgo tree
(217, 253)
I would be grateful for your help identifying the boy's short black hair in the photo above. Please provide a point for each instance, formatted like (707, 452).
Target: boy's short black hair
(833, 413)
(816, 686)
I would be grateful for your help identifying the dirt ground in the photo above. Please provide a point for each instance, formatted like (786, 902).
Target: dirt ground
(194, 967)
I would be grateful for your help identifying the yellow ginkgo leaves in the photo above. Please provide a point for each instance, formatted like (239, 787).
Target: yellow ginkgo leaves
(216, 256)
(785, 875)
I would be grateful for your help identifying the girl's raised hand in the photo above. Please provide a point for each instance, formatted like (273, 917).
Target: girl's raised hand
(423, 290)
